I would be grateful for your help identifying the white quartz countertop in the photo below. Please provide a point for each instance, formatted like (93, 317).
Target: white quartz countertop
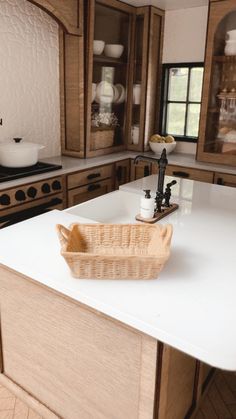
(191, 306)
(72, 164)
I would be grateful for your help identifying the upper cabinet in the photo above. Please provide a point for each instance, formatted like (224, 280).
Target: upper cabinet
(123, 67)
(217, 139)
(109, 54)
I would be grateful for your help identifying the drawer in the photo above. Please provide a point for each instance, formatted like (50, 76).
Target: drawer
(85, 193)
(189, 173)
(225, 179)
(92, 175)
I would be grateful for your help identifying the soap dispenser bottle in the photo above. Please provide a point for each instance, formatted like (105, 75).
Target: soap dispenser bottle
(147, 205)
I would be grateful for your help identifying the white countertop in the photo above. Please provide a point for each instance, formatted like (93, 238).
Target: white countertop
(191, 306)
(72, 164)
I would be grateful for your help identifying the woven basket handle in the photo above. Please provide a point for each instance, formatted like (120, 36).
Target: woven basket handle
(63, 234)
(166, 233)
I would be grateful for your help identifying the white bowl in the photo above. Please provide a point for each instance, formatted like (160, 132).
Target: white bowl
(157, 148)
(230, 47)
(98, 47)
(113, 50)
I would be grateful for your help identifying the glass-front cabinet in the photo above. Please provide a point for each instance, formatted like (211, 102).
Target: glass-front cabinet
(110, 25)
(217, 139)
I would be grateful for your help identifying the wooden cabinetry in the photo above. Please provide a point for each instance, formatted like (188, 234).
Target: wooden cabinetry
(189, 173)
(89, 184)
(177, 384)
(139, 170)
(217, 135)
(122, 172)
(108, 81)
(149, 24)
(225, 179)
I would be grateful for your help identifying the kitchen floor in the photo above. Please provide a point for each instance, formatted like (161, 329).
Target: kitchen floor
(13, 408)
(219, 402)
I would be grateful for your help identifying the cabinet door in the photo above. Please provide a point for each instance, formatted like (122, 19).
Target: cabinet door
(109, 75)
(122, 173)
(218, 122)
(139, 170)
(177, 384)
(189, 173)
(225, 179)
(85, 193)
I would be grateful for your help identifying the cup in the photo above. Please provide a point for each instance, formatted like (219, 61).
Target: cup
(135, 134)
(136, 94)
(230, 47)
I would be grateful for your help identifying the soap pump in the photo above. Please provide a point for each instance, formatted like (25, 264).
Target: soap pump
(147, 205)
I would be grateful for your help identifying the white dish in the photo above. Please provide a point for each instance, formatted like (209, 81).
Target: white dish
(94, 86)
(157, 148)
(122, 93)
(104, 92)
(98, 47)
(116, 94)
(113, 50)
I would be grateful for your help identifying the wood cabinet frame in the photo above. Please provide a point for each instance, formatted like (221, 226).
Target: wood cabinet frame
(69, 16)
(217, 11)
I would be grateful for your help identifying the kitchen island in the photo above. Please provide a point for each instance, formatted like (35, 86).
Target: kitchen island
(120, 349)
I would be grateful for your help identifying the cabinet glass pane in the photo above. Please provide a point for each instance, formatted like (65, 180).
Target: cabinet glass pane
(221, 117)
(175, 118)
(110, 75)
(195, 89)
(178, 82)
(138, 56)
(193, 120)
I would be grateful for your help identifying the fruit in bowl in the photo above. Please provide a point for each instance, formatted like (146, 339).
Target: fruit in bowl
(158, 143)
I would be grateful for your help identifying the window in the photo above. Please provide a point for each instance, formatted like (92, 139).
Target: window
(182, 91)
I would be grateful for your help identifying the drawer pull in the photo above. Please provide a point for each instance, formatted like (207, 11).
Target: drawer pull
(181, 174)
(93, 176)
(146, 170)
(92, 188)
(220, 181)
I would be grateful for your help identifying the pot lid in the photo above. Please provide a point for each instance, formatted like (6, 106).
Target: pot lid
(18, 144)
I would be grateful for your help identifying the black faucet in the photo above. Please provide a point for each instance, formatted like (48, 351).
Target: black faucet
(162, 163)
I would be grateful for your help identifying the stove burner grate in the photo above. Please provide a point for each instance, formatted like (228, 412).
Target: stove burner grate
(9, 173)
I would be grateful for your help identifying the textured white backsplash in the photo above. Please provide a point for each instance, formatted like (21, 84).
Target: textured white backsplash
(29, 75)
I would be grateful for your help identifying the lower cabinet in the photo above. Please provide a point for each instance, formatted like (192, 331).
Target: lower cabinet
(178, 374)
(139, 170)
(90, 191)
(122, 172)
(225, 179)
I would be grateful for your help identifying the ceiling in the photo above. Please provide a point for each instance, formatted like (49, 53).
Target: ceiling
(169, 4)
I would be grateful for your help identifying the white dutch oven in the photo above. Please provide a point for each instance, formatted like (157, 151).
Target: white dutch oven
(19, 153)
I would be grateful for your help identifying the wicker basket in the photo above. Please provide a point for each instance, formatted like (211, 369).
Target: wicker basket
(103, 138)
(115, 251)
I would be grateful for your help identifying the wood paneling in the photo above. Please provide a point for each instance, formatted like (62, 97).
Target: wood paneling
(177, 384)
(122, 172)
(68, 13)
(139, 170)
(225, 179)
(75, 361)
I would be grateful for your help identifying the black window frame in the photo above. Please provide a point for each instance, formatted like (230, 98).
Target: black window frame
(165, 101)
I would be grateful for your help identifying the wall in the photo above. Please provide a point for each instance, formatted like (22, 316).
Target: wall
(184, 41)
(29, 76)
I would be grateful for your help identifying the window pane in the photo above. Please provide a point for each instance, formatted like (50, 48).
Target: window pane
(175, 118)
(178, 81)
(196, 78)
(193, 120)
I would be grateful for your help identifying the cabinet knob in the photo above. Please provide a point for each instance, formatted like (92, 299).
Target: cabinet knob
(93, 187)
(56, 185)
(93, 176)
(220, 181)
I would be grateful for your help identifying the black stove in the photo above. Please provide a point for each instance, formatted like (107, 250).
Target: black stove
(9, 173)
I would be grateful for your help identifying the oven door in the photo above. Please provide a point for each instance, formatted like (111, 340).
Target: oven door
(23, 212)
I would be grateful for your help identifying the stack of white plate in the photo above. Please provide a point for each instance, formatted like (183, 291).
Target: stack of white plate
(105, 92)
